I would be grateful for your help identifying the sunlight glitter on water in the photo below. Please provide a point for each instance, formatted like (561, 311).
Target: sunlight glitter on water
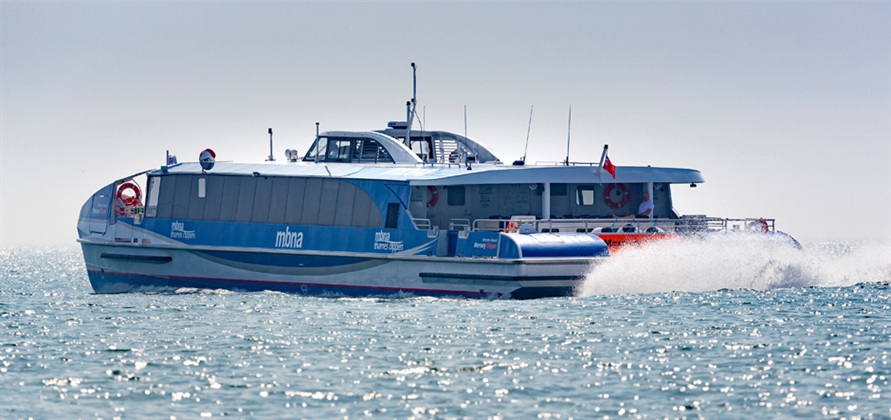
(789, 352)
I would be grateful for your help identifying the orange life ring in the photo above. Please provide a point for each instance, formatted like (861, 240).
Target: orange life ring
(434, 197)
(135, 200)
(512, 227)
(608, 195)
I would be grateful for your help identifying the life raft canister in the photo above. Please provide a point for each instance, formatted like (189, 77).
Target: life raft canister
(615, 201)
(434, 197)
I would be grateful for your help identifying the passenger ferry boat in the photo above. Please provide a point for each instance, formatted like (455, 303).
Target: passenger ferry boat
(393, 212)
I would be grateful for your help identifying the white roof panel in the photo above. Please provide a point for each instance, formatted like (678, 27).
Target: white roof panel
(441, 174)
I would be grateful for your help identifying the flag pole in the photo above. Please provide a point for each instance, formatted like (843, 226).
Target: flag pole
(602, 158)
(600, 166)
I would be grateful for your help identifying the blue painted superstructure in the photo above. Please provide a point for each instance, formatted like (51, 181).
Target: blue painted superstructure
(180, 237)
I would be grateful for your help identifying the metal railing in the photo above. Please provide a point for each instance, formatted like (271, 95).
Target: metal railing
(612, 225)
(421, 224)
(459, 224)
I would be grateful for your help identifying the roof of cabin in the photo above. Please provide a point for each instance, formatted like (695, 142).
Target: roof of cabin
(483, 154)
(445, 174)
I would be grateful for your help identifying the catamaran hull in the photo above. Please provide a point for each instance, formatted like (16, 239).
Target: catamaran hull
(121, 268)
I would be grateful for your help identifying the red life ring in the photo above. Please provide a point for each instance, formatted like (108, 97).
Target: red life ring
(611, 201)
(127, 201)
(763, 223)
(434, 197)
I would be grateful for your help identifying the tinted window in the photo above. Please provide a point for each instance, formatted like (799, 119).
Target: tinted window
(328, 201)
(165, 196)
(343, 213)
(278, 200)
(311, 196)
(151, 208)
(213, 197)
(196, 202)
(365, 211)
(296, 195)
(392, 215)
(181, 196)
(456, 195)
(262, 196)
(231, 185)
(229, 198)
(556, 189)
(247, 187)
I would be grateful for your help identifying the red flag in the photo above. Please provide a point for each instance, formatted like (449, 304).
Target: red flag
(609, 167)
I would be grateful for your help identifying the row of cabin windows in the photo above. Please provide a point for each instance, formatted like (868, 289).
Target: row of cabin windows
(341, 149)
(258, 199)
(584, 194)
(455, 194)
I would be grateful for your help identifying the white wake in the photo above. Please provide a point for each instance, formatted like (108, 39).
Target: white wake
(738, 262)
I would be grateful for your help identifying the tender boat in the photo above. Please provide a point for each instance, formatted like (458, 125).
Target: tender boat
(392, 212)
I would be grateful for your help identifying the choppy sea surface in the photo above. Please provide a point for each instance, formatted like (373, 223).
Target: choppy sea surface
(693, 330)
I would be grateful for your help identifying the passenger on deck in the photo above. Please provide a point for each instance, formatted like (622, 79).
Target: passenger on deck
(645, 211)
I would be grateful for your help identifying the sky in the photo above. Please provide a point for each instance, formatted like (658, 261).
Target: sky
(784, 107)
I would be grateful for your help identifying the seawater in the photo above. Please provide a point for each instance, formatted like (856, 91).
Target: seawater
(709, 329)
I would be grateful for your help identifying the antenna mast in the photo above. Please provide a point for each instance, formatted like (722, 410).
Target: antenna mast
(528, 130)
(413, 105)
(271, 158)
(568, 135)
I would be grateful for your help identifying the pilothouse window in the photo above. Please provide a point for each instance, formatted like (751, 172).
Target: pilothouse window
(318, 150)
(421, 147)
(344, 150)
(339, 150)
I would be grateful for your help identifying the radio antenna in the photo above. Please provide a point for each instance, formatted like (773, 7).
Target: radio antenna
(465, 121)
(271, 158)
(568, 135)
(528, 130)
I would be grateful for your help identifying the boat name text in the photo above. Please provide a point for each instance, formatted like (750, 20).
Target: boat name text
(488, 243)
(178, 231)
(382, 242)
(287, 239)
